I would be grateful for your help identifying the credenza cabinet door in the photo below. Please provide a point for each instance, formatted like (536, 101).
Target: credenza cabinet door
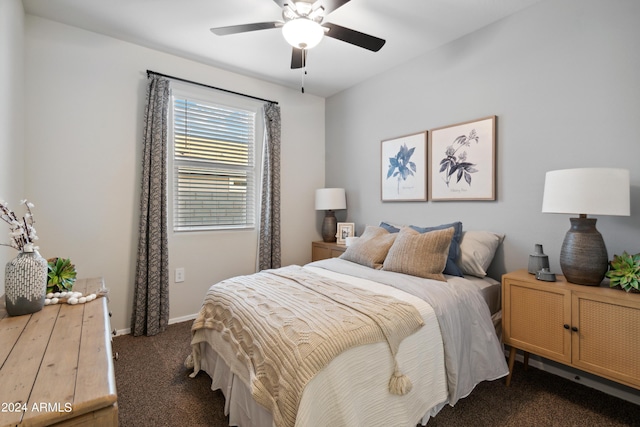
(536, 318)
(607, 340)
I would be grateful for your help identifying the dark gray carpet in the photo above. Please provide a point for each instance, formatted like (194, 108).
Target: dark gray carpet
(154, 389)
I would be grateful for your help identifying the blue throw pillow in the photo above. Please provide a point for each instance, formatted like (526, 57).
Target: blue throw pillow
(390, 228)
(454, 249)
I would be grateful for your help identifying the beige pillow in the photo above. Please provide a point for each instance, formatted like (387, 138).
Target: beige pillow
(477, 249)
(371, 248)
(420, 254)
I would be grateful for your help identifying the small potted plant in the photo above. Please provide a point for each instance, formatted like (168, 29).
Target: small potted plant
(624, 271)
(62, 275)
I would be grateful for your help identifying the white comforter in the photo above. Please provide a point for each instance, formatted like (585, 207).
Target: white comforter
(456, 349)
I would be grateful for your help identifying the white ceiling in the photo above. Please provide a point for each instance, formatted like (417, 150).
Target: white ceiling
(181, 27)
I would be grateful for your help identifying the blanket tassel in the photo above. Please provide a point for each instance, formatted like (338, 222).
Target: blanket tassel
(399, 383)
(188, 362)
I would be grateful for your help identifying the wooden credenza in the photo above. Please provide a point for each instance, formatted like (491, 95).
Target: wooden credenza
(324, 250)
(56, 365)
(592, 328)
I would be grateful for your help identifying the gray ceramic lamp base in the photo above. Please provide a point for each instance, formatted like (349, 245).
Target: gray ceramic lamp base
(583, 257)
(329, 227)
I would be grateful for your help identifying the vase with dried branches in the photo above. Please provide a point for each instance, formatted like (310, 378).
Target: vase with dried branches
(26, 274)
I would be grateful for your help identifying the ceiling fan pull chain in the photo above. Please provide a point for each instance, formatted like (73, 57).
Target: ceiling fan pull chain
(304, 66)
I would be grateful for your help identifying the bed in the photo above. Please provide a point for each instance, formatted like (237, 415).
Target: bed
(432, 338)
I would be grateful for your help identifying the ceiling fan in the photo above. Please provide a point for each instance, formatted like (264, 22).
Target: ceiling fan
(303, 28)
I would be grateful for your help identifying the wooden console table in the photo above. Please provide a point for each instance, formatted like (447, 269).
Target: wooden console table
(56, 365)
(591, 328)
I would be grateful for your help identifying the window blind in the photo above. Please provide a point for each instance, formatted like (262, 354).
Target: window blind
(213, 166)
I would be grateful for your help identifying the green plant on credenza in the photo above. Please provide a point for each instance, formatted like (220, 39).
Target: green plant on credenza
(62, 275)
(625, 272)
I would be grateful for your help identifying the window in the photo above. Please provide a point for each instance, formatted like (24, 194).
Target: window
(213, 164)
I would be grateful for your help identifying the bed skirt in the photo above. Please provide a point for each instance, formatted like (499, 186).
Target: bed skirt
(241, 409)
(239, 406)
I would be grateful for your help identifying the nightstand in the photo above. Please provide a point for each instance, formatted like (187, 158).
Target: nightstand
(323, 250)
(591, 328)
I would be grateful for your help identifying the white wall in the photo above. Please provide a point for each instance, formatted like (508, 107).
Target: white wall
(562, 77)
(84, 100)
(11, 113)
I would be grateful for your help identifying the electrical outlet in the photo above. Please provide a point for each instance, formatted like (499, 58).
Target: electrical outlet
(179, 275)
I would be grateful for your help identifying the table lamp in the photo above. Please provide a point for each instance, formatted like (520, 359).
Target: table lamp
(329, 200)
(586, 191)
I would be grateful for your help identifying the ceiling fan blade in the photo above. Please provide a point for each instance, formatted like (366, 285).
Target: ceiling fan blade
(354, 37)
(281, 3)
(297, 58)
(331, 5)
(244, 28)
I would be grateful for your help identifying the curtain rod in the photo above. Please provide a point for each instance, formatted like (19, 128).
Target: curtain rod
(210, 87)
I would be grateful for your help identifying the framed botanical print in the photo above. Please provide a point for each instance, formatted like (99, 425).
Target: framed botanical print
(463, 161)
(404, 168)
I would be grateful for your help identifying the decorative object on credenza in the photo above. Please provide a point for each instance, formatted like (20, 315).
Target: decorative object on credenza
(25, 283)
(538, 260)
(330, 200)
(463, 161)
(21, 230)
(625, 272)
(345, 230)
(546, 275)
(70, 297)
(61, 275)
(404, 168)
(586, 191)
(26, 275)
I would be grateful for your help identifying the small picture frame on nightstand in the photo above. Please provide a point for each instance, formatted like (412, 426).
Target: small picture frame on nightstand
(345, 229)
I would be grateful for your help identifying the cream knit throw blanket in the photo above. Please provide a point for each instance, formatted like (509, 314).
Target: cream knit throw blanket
(287, 324)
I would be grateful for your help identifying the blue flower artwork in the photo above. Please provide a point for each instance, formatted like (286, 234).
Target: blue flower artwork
(401, 166)
(404, 168)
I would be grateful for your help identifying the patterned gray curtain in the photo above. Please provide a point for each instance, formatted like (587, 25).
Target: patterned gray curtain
(269, 247)
(151, 296)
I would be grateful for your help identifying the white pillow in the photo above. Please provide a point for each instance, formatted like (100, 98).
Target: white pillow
(477, 249)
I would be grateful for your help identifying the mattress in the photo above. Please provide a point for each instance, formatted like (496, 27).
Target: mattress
(490, 289)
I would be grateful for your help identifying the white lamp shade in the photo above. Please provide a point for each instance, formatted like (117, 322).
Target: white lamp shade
(589, 191)
(330, 199)
(302, 33)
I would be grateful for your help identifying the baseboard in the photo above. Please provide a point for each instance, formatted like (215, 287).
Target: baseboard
(186, 318)
(589, 380)
(123, 332)
(183, 318)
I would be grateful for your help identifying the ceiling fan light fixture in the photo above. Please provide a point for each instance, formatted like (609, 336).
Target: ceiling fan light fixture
(302, 33)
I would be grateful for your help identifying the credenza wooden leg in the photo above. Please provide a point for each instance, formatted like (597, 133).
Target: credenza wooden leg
(512, 359)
